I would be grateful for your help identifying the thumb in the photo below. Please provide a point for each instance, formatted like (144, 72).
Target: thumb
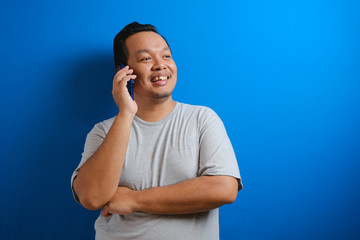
(105, 212)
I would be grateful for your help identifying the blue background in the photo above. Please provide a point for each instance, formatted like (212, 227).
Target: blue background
(283, 75)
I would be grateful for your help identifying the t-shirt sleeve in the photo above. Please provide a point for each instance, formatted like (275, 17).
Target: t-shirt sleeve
(217, 155)
(93, 141)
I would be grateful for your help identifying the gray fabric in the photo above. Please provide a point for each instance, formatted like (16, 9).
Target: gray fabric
(189, 142)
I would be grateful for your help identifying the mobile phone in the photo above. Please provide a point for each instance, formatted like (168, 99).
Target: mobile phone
(130, 86)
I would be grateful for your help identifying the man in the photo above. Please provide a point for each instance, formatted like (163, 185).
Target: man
(159, 169)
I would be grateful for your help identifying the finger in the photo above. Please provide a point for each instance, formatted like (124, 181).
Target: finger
(104, 212)
(122, 69)
(123, 82)
(122, 77)
(121, 74)
(126, 79)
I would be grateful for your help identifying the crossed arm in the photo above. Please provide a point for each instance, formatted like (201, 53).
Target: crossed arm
(96, 184)
(195, 195)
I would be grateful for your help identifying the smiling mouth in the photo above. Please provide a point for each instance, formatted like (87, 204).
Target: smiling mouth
(162, 78)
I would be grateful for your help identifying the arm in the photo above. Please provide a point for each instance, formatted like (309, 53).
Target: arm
(195, 195)
(98, 178)
(213, 188)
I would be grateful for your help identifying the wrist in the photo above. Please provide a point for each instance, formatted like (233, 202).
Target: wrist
(136, 203)
(125, 115)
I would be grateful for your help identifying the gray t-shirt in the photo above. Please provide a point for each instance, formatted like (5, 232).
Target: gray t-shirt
(189, 142)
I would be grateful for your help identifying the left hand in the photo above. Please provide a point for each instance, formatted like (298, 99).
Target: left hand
(122, 203)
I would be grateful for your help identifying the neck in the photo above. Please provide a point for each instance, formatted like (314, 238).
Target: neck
(154, 111)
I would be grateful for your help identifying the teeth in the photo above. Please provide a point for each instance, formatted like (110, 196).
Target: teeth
(160, 78)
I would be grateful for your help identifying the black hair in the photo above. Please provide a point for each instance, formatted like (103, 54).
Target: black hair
(119, 48)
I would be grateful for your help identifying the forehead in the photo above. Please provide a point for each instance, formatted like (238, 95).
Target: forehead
(145, 40)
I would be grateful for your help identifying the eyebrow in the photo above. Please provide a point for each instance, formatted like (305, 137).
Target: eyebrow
(147, 50)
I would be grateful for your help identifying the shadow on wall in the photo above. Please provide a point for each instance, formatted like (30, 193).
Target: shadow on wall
(90, 86)
(89, 102)
(79, 97)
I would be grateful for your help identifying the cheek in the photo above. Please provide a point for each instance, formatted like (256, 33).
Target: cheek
(139, 74)
(141, 70)
(173, 67)
(141, 80)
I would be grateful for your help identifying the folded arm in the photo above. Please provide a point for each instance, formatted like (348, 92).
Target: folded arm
(195, 195)
(98, 178)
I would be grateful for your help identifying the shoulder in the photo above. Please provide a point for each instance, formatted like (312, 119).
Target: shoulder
(103, 127)
(197, 110)
(204, 117)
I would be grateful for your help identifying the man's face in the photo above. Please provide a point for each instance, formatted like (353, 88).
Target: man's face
(150, 57)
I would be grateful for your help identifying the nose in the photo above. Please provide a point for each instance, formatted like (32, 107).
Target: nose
(159, 64)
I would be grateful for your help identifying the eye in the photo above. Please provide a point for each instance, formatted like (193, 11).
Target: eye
(145, 59)
(167, 56)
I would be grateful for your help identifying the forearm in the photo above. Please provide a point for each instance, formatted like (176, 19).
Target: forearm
(99, 177)
(195, 195)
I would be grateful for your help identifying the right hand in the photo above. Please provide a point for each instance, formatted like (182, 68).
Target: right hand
(123, 203)
(120, 93)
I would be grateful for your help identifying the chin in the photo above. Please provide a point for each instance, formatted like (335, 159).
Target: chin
(161, 97)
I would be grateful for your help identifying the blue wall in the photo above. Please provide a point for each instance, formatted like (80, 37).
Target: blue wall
(283, 75)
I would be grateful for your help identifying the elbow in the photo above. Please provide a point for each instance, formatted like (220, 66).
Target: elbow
(229, 196)
(89, 199)
(228, 190)
(93, 201)
(90, 204)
